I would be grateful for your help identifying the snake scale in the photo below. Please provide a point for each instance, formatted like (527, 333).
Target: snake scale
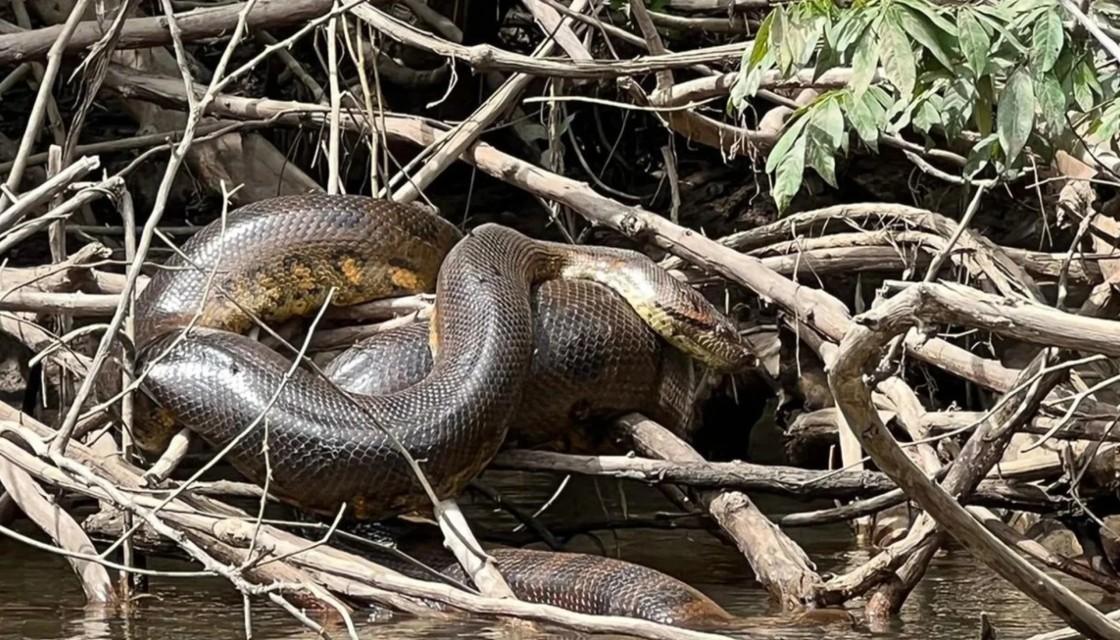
(511, 313)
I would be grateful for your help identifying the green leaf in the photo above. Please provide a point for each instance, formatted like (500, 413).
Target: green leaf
(997, 25)
(829, 120)
(801, 40)
(926, 116)
(957, 106)
(760, 58)
(827, 58)
(931, 13)
(821, 160)
(1052, 102)
(898, 115)
(862, 119)
(980, 155)
(1016, 114)
(761, 41)
(787, 163)
(865, 62)
(741, 90)
(1084, 79)
(747, 84)
(778, 28)
(975, 43)
(898, 59)
(1109, 124)
(849, 28)
(884, 100)
(921, 28)
(985, 100)
(1110, 86)
(785, 143)
(998, 12)
(1046, 42)
(1064, 65)
(781, 33)
(824, 136)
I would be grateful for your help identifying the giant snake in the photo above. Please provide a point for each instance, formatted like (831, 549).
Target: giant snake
(523, 332)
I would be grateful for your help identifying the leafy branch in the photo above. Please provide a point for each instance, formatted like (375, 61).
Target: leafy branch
(997, 79)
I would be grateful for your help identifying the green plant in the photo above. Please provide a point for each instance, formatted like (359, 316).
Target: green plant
(999, 77)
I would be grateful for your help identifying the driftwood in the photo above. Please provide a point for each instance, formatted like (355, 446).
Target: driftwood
(778, 562)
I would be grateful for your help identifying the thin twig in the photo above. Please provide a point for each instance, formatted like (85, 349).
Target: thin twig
(46, 85)
(333, 178)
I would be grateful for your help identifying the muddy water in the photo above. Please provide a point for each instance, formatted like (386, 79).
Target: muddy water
(40, 599)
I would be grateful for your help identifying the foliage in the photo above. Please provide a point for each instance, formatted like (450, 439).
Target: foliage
(998, 77)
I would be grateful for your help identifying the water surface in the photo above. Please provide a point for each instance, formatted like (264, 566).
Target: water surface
(40, 599)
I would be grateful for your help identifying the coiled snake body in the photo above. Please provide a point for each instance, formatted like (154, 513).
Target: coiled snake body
(282, 257)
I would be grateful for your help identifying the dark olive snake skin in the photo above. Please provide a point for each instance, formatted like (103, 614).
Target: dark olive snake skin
(283, 257)
(593, 359)
(579, 582)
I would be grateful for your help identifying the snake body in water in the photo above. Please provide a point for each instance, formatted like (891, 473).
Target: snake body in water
(504, 304)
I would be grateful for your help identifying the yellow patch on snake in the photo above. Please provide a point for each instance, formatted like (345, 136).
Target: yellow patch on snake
(266, 281)
(303, 276)
(351, 270)
(405, 279)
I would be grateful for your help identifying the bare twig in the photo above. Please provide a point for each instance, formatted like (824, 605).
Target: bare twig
(333, 178)
(43, 192)
(138, 33)
(38, 110)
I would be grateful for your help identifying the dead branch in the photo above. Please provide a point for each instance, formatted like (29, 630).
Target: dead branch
(789, 481)
(941, 303)
(779, 563)
(42, 98)
(488, 58)
(141, 33)
(29, 200)
(820, 427)
(61, 528)
(448, 149)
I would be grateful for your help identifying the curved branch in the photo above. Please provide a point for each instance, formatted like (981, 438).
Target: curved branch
(860, 350)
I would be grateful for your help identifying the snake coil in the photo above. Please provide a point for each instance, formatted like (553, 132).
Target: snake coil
(282, 257)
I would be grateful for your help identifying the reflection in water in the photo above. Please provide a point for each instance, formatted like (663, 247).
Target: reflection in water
(39, 599)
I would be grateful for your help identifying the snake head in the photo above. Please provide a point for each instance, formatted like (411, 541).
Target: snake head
(717, 343)
(693, 324)
(724, 349)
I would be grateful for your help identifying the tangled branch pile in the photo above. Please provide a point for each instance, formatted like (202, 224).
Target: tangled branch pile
(936, 296)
